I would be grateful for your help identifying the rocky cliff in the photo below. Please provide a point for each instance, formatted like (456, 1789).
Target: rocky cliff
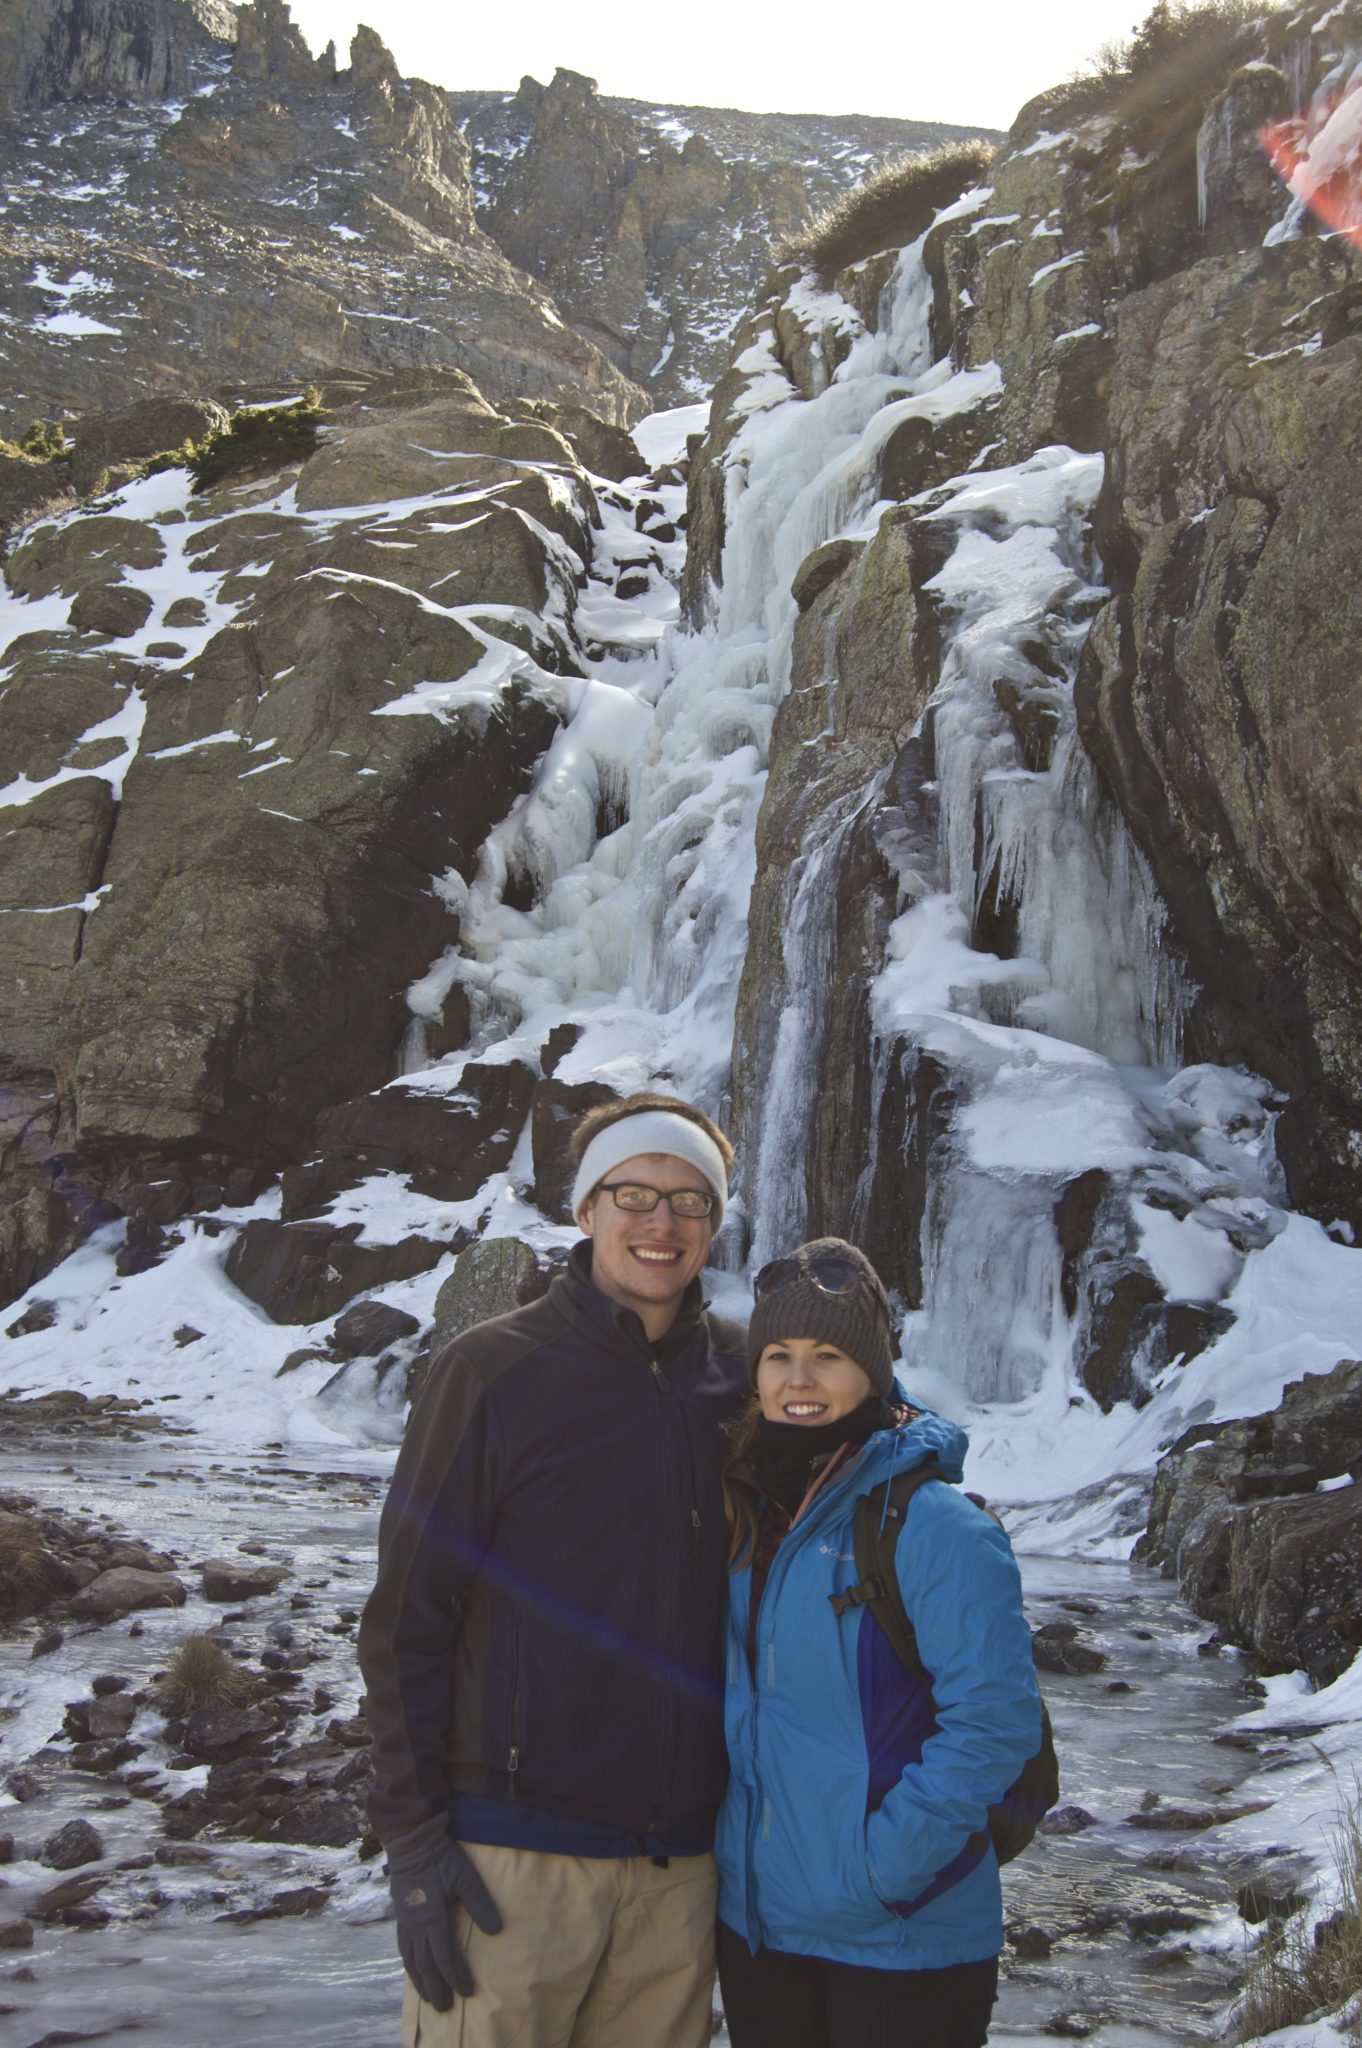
(653, 225)
(196, 200)
(95, 49)
(236, 212)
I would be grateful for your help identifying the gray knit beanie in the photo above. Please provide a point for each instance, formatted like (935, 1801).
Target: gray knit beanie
(851, 1309)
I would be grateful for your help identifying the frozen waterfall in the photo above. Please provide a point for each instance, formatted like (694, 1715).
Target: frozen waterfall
(1061, 1046)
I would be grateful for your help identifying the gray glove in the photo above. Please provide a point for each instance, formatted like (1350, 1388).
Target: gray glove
(428, 1875)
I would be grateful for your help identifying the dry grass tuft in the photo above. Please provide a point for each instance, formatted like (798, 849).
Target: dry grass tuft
(202, 1674)
(1297, 1975)
(892, 208)
(28, 1576)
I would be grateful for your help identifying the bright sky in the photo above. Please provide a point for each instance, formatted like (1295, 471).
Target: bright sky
(908, 59)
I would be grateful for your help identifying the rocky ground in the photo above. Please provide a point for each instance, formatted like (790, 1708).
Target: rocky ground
(144, 1839)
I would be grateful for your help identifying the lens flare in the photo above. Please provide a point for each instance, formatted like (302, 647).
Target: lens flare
(1318, 156)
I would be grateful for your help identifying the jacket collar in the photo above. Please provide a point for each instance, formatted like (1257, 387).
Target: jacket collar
(918, 1435)
(575, 1296)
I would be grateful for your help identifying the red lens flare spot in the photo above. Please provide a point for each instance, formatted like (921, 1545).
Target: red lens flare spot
(1318, 156)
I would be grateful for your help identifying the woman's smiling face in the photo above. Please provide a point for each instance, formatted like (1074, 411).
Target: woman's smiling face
(807, 1380)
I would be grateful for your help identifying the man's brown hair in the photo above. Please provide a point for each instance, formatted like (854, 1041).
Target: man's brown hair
(606, 1113)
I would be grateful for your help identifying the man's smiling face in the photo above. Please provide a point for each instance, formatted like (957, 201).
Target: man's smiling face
(646, 1263)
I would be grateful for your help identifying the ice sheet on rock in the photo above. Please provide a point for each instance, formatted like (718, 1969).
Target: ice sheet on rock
(1297, 1305)
(660, 437)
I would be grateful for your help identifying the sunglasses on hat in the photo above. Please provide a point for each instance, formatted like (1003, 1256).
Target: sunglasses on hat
(831, 1275)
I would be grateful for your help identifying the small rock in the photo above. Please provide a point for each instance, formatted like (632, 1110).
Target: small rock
(290, 1905)
(1032, 1944)
(113, 608)
(225, 1580)
(6, 1848)
(60, 1900)
(1260, 1899)
(71, 1846)
(216, 1734)
(1055, 1649)
(108, 1682)
(51, 1639)
(100, 1720)
(1071, 2026)
(1160, 1920)
(1118, 1685)
(23, 1786)
(370, 1327)
(1067, 1820)
(351, 1734)
(181, 1855)
(16, 1934)
(1190, 1819)
(297, 1358)
(38, 1316)
(187, 1334)
(320, 1822)
(115, 1592)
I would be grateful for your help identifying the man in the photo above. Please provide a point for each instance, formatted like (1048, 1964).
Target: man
(542, 1647)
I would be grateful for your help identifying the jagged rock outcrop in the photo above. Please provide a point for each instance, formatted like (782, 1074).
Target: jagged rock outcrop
(653, 226)
(1261, 1520)
(221, 859)
(282, 219)
(105, 49)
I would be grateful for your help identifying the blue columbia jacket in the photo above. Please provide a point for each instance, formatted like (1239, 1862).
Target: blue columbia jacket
(846, 1830)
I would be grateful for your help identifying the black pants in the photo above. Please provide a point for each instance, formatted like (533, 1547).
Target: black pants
(783, 2001)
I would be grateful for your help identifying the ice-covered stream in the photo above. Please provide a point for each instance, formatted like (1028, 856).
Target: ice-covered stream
(1146, 1942)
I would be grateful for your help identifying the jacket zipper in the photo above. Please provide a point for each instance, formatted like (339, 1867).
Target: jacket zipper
(513, 1732)
(760, 1819)
(665, 1742)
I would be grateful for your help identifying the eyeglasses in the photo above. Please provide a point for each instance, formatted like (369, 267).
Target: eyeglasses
(829, 1275)
(637, 1200)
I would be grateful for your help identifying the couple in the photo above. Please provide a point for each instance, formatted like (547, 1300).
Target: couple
(594, 1491)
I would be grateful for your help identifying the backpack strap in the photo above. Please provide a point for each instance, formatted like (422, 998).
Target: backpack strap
(875, 1534)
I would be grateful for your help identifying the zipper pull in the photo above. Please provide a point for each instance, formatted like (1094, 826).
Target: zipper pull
(512, 1766)
(660, 1377)
(695, 1524)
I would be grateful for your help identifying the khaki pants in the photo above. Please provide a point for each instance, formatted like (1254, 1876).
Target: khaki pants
(595, 1952)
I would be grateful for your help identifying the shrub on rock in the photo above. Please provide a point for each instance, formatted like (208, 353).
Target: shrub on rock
(258, 440)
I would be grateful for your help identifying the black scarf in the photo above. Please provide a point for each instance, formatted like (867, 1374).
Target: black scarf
(784, 1453)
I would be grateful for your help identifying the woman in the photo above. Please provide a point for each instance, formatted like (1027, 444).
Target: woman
(859, 1901)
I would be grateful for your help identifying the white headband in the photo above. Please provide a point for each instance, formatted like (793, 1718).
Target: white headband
(652, 1130)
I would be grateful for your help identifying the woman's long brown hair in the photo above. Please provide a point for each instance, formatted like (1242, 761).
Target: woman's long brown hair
(740, 1505)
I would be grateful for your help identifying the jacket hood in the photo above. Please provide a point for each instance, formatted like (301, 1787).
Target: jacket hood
(925, 1435)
